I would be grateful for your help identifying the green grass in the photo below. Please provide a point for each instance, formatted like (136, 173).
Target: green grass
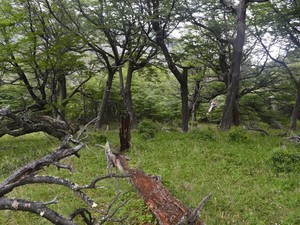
(236, 167)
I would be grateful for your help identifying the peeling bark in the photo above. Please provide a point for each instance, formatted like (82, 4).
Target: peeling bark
(166, 208)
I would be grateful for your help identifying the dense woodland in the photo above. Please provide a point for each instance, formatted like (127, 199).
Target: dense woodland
(69, 65)
(227, 62)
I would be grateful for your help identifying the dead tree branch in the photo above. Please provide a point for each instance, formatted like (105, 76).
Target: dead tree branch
(38, 208)
(63, 151)
(17, 124)
(27, 174)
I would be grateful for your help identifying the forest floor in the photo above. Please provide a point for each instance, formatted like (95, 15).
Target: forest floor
(253, 178)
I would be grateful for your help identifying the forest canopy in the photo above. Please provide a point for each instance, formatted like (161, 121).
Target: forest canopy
(65, 63)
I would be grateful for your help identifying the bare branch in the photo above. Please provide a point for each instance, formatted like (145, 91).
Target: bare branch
(64, 166)
(108, 216)
(38, 208)
(86, 126)
(190, 219)
(82, 212)
(63, 151)
(49, 180)
(95, 180)
(53, 201)
(281, 62)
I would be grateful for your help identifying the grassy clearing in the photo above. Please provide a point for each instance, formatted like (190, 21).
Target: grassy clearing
(237, 167)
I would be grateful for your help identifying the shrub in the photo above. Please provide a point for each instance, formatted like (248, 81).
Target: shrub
(237, 135)
(285, 161)
(147, 129)
(204, 135)
(97, 138)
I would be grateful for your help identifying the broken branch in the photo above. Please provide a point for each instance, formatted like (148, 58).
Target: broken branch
(38, 208)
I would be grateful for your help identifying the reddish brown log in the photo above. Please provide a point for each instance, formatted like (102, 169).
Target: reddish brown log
(166, 208)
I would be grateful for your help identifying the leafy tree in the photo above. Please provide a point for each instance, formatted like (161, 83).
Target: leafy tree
(38, 55)
(164, 17)
(283, 23)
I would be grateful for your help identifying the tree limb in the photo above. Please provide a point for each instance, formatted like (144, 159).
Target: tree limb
(49, 180)
(82, 212)
(38, 208)
(61, 152)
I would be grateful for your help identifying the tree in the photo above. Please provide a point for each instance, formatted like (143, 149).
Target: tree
(120, 43)
(164, 18)
(230, 109)
(39, 59)
(284, 21)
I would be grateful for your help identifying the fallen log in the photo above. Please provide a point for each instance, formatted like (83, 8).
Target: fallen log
(166, 208)
(17, 124)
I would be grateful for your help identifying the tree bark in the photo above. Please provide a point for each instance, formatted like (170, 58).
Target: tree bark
(184, 102)
(35, 207)
(166, 208)
(294, 116)
(16, 125)
(62, 91)
(181, 76)
(126, 91)
(125, 133)
(194, 104)
(104, 102)
(230, 109)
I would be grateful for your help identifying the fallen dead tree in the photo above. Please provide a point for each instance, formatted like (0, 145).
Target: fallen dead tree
(293, 138)
(20, 123)
(167, 209)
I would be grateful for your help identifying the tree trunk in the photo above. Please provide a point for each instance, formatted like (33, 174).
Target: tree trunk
(194, 104)
(184, 91)
(181, 76)
(126, 91)
(236, 114)
(230, 109)
(62, 92)
(103, 104)
(294, 116)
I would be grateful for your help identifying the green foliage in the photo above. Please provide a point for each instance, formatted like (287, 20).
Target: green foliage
(285, 161)
(14, 97)
(204, 134)
(147, 129)
(97, 138)
(237, 134)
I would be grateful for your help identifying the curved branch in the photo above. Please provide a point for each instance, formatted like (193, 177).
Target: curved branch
(95, 180)
(49, 180)
(27, 170)
(38, 208)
